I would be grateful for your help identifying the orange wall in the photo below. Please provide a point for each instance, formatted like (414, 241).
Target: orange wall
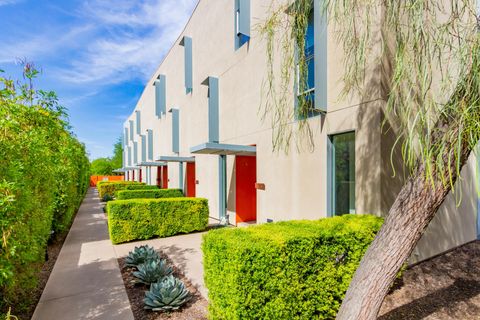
(95, 179)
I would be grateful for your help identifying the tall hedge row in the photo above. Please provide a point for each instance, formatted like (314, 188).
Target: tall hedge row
(285, 270)
(44, 175)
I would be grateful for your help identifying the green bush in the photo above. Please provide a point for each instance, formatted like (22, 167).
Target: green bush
(109, 188)
(140, 219)
(284, 270)
(44, 174)
(146, 194)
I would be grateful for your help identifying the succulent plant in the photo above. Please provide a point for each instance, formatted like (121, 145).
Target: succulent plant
(166, 295)
(107, 198)
(152, 271)
(140, 255)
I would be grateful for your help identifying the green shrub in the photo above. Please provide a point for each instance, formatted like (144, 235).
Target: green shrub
(284, 270)
(140, 219)
(146, 194)
(109, 188)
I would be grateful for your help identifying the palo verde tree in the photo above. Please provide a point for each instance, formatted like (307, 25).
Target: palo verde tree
(429, 56)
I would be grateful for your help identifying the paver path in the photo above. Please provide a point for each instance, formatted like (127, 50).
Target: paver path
(85, 282)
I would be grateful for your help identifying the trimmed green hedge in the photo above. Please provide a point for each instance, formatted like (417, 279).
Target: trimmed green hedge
(140, 219)
(148, 194)
(109, 188)
(284, 270)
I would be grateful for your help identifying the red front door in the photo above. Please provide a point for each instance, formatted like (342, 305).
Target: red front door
(165, 177)
(140, 176)
(246, 194)
(159, 177)
(191, 181)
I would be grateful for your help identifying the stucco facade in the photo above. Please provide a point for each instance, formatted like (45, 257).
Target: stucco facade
(291, 185)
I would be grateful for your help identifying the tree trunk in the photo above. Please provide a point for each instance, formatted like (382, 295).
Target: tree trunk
(412, 211)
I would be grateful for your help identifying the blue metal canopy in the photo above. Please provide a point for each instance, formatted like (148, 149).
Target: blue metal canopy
(224, 149)
(175, 159)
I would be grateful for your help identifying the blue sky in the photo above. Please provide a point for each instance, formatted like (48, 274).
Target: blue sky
(96, 54)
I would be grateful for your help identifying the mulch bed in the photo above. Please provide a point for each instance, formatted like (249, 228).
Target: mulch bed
(445, 287)
(196, 308)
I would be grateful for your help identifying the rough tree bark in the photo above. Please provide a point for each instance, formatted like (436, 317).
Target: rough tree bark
(412, 211)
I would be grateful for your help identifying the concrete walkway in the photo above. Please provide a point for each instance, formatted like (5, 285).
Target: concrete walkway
(85, 282)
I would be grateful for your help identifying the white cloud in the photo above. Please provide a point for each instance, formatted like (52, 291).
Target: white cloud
(33, 48)
(7, 2)
(140, 34)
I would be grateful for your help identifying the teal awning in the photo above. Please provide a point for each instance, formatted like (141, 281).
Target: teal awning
(152, 164)
(175, 159)
(224, 149)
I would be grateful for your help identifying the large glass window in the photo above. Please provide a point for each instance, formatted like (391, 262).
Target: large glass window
(342, 173)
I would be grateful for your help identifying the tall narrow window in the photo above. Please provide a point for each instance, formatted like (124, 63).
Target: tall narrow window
(129, 156)
(160, 95)
(150, 144)
(175, 130)
(341, 166)
(135, 153)
(213, 109)
(187, 44)
(144, 148)
(242, 22)
(306, 79)
(125, 136)
(131, 129)
(311, 84)
(138, 119)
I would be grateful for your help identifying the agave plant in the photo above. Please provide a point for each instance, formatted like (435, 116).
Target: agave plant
(152, 271)
(166, 295)
(140, 255)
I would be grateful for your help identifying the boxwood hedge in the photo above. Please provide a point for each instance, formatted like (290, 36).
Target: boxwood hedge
(140, 219)
(284, 270)
(109, 188)
(148, 193)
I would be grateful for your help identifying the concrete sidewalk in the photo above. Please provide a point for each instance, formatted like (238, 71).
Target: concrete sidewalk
(85, 282)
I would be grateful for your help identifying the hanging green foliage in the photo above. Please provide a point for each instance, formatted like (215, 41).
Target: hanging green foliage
(427, 54)
(284, 32)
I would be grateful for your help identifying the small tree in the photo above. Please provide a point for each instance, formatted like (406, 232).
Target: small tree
(102, 167)
(117, 159)
(429, 57)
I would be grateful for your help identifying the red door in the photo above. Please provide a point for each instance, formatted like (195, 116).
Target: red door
(246, 194)
(159, 177)
(140, 176)
(165, 177)
(191, 181)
